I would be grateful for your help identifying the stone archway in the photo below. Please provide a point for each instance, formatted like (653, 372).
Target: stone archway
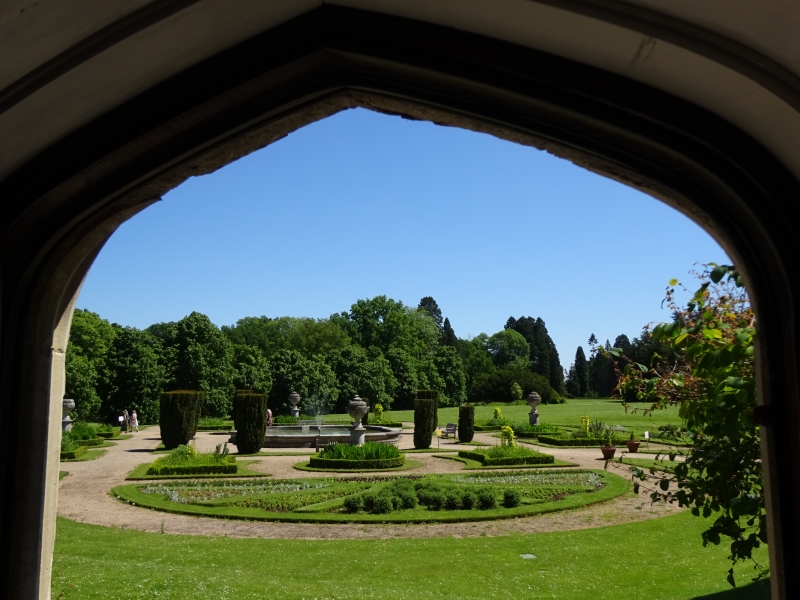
(69, 198)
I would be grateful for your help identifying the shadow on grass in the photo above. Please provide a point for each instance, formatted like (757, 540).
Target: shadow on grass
(754, 591)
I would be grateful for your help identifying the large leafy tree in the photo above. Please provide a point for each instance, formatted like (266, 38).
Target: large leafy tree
(715, 387)
(451, 370)
(429, 305)
(134, 375)
(199, 358)
(312, 378)
(508, 347)
(476, 358)
(544, 357)
(359, 374)
(498, 386)
(307, 336)
(89, 340)
(251, 369)
(404, 372)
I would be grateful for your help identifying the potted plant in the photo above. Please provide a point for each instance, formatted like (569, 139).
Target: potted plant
(633, 443)
(608, 449)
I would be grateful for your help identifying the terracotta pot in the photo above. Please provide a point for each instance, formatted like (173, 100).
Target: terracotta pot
(633, 446)
(608, 453)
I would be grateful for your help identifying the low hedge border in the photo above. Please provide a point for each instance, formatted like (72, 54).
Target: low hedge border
(91, 454)
(474, 465)
(229, 467)
(577, 443)
(73, 454)
(216, 428)
(486, 427)
(305, 466)
(397, 424)
(541, 459)
(109, 434)
(140, 473)
(344, 464)
(98, 441)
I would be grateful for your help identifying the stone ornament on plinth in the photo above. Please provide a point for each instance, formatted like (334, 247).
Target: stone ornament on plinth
(357, 409)
(66, 421)
(534, 400)
(294, 400)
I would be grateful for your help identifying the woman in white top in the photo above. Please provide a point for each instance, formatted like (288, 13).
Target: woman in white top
(134, 421)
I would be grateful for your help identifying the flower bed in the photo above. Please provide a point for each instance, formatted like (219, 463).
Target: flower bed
(504, 455)
(371, 455)
(582, 442)
(340, 463)
(185, 460)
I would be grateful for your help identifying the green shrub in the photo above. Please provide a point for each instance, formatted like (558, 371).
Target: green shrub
(185, 460)
(570, 441)
(511, 498)
(425, 421)
(522, 429)
(93, 442)
(453, 499)
(505, 455)
(369, 451)
(73, 454)
(382, 504)
(408, 499)
(68, 444)
(345, 464)
(468, 500)
(250, 420)
(487, 499)
(83, 431)
(179, 416)
(353, 504)
(435, 500)
(466, 423)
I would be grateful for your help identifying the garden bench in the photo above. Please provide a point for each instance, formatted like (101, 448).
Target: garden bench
(449, 430)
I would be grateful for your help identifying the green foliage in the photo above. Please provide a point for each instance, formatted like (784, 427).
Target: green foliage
(451, 371)
(378, 411)
(498, 413)
(498, 386)
(250, 421)
(77, 452)
(516, 392)
(476, 359)
(449, 335)
(571, 441)
(487, 499)
(179, 416)
(544, 358)
(511, 498)
(466, 423)
(197, 356)
(425, 421)
(506, 436)
(368, 451)
(523, 429)
(68, 444)
(83, 431)
(715, 386)
(581, 372)
(431, 308)
(507, 347)
(359, 375)
(135, 376)
(251, 369)
(312, 378)
(507, 455)
(185, 460)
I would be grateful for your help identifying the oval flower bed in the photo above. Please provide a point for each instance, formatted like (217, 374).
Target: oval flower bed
(372, 455)
(382, 498)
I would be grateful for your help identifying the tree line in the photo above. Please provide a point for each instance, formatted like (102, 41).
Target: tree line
(380, 349)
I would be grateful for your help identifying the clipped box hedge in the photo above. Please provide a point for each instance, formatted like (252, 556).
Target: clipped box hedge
(98, 441)
(555, 441)
(486, 427)
(73, 454)
(339, 463)
(216, 428)
(538, 459)
(388, 424)
(109, 434)
(228, 467)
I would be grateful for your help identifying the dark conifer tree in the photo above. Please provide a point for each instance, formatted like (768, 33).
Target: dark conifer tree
(448, 335)
(544, 356)
(428, 304)
(582, 371)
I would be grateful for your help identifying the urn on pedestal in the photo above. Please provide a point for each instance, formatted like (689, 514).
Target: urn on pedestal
(357, 409)
(534, 400)
(66, 421)
(294, 400)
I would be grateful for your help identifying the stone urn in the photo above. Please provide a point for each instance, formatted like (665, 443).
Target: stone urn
(357, 409)
(294, 400)
(68, 405)
(534, 400)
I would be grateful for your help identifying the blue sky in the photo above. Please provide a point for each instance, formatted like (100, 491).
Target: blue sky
(362, 204)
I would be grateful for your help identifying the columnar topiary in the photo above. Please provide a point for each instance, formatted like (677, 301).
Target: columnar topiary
(466, 423)
(425, 418)
(250, 420)
(179, 416)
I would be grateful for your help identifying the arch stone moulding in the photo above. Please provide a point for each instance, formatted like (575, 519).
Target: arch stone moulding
(61, 205)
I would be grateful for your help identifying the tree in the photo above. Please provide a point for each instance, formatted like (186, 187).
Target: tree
(498, 386)
(448, 335)
(602, 377)
(451, 370)
(312, 378)
(581, 372)
(251, 369)
(135, 376)
(714, 385)
(405, 374)
(476, 358)
(509, 347)
(90, 337)
(544, 355)
(200, 359)
(429, 305)
(357, 374)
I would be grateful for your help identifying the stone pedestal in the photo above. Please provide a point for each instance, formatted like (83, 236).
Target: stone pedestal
(357, 409)
(66, 421)
(294, 400)
(533, 401)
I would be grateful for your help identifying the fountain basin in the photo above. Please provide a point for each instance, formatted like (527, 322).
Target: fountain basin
(309, 436)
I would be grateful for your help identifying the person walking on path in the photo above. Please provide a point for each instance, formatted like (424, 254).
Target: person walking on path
(126, 421)
(134, 421)
(269, 418)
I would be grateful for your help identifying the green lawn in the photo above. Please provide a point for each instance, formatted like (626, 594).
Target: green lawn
(609, 412)
(661, 559)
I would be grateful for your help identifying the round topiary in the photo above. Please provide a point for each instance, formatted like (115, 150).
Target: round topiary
(452, 499)
(469, 500)
(179, 414)
(352, 504)
(487, 499)
(250, 421)
(466, 423)
(383, 504)
(436, 500)
(511, 498)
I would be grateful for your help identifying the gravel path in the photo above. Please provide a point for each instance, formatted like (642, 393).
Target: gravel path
(84, 497)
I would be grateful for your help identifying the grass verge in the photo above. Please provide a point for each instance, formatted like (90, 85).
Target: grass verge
(62, 474)
(667, 561)
(140, 473)
(89, 455)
